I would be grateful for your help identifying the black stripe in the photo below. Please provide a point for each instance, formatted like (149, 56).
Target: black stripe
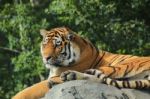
(113, 81)
(57, 31)
(116, 84)
(69, 51)
(137, 84)
(96, 48)
(98, 76)
(56, 36)
(97, 53)
(144, 85)
(74, 54)
(84, 41)
(104, 80)
(124, 84)
(74, 76)
(140, 84)
(140, 65)
(128, 84)
(65, 48)
(91, 46)
(72, 62)
(99, 60)
(50, 35)
(121, 59)
(124, 59)
(63, 39)
(94, 71)
(112, 60)
(114, 71)
(127, 72)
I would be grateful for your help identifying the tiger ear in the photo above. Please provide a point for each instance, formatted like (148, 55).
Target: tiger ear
(43, 32)
(71, 36)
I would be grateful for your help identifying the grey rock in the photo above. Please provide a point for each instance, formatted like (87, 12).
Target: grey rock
(82, 89)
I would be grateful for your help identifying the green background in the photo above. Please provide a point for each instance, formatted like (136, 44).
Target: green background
(118, 26)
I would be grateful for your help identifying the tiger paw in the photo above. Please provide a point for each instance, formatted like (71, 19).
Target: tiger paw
(71, 75)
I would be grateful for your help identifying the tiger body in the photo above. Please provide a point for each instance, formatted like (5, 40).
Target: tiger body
(70, 57)
(122, 66)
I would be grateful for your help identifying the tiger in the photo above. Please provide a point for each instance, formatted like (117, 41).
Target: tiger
(71, 57)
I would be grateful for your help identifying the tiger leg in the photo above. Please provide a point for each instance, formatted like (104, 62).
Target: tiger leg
(75, 75)
(38, 90)
(96, 75)
(107, 70)
(90, 74)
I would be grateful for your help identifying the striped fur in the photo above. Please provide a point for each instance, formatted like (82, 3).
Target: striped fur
(120, 84)
(113, 66)
(63, 50)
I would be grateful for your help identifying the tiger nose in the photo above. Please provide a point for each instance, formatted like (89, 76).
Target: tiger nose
(47, 58)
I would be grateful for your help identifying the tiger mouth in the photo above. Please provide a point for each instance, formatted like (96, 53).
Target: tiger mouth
(56, 63)
(59, 64)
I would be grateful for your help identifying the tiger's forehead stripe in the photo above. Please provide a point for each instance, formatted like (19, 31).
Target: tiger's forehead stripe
(61, 30)
(57, 33)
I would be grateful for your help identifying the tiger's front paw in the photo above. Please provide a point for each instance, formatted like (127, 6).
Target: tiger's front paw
(71, 75)
(68, 75)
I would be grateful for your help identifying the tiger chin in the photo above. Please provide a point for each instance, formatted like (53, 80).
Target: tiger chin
(70, 57)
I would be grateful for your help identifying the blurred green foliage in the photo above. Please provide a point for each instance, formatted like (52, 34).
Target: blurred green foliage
(119, 26)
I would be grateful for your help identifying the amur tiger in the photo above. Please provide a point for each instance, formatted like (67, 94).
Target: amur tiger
(70, 57)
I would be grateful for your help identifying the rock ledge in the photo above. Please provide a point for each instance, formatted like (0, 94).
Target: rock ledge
(82, 89)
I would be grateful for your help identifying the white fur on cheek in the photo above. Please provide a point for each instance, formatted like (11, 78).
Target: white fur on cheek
(74, 50)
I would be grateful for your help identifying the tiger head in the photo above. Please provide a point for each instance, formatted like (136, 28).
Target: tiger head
(58, 47)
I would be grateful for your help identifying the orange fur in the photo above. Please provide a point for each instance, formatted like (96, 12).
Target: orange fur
(34, 92)
(112, 65)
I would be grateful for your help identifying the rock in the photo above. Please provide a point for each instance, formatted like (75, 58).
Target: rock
(82, 89)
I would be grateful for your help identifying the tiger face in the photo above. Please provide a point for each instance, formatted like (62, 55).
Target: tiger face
(58, 47)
